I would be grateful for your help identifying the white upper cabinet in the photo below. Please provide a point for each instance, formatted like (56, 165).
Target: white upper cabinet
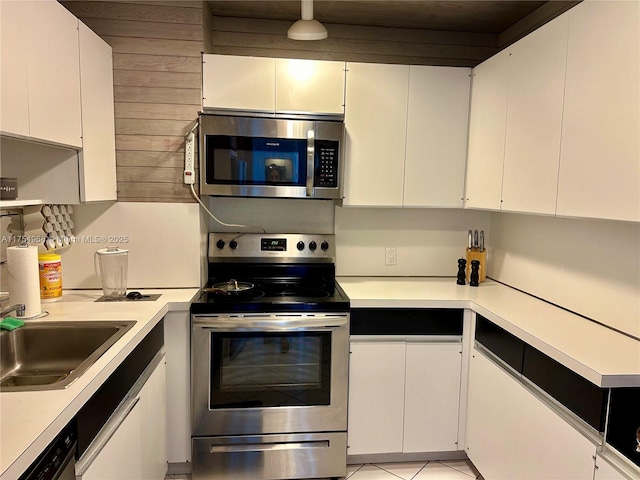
(438, 115)
(54, 74)
(534, 119)
(14, 96)
(309, 86)
(41, 64)
(98, 155)
(406, 130)
(554, 121)
(57, 90)
(376, 126)
(260, 84)
(487, 128)
(600, 161)
(238, 83)
(515, 122)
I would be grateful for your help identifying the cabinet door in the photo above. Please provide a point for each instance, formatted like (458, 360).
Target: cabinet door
(54, 74)
(153, 428)
(432, 395)
(14, 119)
(376, 397)
(511, 434)
(238, 83)
(120, 457)
(375, 123)
(604, 471)
(436, 136)
(98, 155)
(534, 119)
(309, 86)
(600, 161)
(487, 128)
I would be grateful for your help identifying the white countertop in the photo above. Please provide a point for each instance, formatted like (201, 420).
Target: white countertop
(30, 420)
(605, 357)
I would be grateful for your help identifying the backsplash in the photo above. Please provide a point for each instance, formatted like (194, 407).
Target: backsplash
(271, 214)
(427, 242)
(164, 242)
(588, 266)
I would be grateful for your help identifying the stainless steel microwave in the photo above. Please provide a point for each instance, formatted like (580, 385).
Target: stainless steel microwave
(270, 157)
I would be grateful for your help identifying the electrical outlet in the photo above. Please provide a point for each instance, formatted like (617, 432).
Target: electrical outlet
(390, 256)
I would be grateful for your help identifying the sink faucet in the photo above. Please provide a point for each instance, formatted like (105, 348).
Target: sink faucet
(19, 308)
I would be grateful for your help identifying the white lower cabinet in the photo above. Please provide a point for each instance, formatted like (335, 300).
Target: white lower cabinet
(403, 396)
(132, 446)
(120, 457)
(604, 471)
(511, 434)
(432, 393)
(376, 397)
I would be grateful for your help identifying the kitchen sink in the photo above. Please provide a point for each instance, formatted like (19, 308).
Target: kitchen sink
(49, 355)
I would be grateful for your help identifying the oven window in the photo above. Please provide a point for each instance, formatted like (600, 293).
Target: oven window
(250, 370)
(255, 161)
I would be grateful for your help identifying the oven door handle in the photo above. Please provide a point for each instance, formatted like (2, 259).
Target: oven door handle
(261, 325)
(267, 447)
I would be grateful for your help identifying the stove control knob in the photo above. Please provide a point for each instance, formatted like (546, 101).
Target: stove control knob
(300, 245)
(312, 245)
(324, 246)
(233, 244)
(220, 244)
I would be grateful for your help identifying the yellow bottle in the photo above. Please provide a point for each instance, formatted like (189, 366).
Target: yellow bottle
(50, 268)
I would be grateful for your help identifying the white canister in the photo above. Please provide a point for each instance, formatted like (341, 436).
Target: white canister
(50, 268)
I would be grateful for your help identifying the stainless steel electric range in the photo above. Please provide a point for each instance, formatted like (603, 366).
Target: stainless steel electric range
(269, 360)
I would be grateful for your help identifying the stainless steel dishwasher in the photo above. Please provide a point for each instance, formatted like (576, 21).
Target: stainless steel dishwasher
(57, 462)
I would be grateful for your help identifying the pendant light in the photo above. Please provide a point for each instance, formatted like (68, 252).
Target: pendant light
(307, 28)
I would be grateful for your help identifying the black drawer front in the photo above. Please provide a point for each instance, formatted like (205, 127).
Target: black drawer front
(623, 429)
(406, 321)
(95, 413)
(503, 344)
(579, 395)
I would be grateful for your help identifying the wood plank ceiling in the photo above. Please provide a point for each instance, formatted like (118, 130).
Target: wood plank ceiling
(460, 33)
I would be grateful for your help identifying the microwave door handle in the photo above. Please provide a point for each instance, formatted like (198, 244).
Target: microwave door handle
(311, 152)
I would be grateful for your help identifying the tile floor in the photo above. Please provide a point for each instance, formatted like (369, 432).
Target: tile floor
(434, 470)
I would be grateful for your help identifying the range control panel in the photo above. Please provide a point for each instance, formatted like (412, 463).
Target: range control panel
(271, 247)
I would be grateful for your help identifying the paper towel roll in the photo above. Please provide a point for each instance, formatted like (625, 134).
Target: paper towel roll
(24, 279)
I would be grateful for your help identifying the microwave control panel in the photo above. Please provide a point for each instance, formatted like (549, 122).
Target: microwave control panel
(326, 163)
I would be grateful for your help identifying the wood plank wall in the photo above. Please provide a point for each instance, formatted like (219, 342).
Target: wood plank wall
(157, 70)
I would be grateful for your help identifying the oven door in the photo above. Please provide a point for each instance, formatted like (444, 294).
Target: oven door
(269, 373)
